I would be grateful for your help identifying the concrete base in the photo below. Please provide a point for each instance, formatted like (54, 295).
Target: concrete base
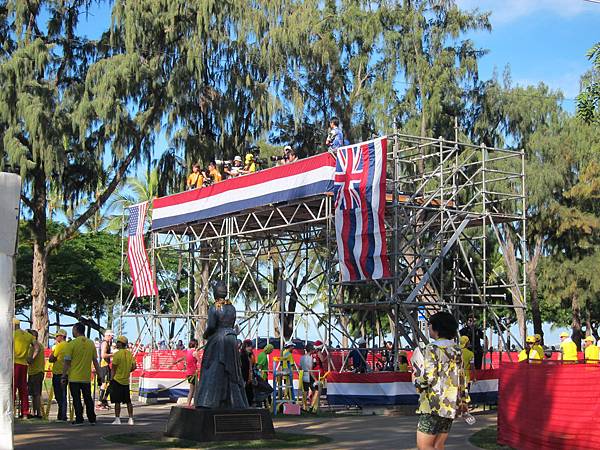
(205, 425)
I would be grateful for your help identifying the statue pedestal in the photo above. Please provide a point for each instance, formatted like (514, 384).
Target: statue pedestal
(205, 425)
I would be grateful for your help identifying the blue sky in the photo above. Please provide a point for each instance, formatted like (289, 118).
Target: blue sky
(541, 40)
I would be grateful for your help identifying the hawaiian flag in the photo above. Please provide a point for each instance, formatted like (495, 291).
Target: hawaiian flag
(359, 188)
(141, 275)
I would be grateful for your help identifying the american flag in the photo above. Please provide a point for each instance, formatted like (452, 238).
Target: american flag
(359, 186)
(141, 275)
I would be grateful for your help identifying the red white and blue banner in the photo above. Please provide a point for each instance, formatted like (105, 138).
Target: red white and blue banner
(305, 178)
(359, 187)
(396, 388)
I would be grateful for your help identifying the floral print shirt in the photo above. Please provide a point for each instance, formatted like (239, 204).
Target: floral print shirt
(441, 382)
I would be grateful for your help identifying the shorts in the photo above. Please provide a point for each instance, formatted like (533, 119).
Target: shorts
(34, 383)
(119, 393)
(192, 379)
(434, 424)
(104, 375)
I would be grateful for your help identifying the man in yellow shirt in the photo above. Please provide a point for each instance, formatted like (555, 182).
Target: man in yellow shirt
(591, 350)
(529, 353)
(122, 365)
(79, 357)
(25, 351)
(568, 349)
(468, 357)
(195, 179)
(57, 357)
(538, 345)
(35, 377)
(250, 164)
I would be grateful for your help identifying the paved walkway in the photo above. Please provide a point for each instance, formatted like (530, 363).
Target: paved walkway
(370, 432)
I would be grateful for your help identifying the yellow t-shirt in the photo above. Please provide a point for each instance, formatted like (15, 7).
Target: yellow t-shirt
(287, 359)
(216, 176)
(467, 358)
(592, 354)
(59, 353)
(22, 343)
(80, 351)
(569, 350)
(195, 180)
(122, 363)
(539, 350)
(38, 364)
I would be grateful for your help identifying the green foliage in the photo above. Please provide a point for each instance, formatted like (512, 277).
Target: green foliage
(84, 273)
(588, 101)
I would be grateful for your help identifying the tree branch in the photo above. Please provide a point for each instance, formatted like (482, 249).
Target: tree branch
(106, 193)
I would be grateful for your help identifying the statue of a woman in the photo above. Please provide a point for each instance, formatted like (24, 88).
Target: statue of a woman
(221, 383)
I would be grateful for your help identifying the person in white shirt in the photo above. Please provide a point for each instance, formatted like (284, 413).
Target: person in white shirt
(306, 365)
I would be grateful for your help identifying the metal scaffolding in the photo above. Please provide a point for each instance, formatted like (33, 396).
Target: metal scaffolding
(452, 209)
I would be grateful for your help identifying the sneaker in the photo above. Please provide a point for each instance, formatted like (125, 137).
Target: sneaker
(117, 421)
(77, 424)
(93, 423)
(130, 421)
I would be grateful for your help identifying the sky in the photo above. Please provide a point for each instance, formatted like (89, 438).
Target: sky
(540, 40)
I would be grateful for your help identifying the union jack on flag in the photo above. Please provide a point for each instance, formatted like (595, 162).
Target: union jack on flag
(359, 188)
(347, 178)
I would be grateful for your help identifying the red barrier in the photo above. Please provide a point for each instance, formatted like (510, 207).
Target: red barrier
(549, 406)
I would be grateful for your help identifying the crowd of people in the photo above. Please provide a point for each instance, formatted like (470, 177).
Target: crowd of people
(200, 177)
(70, 362)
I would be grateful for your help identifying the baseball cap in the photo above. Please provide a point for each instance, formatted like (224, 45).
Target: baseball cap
(61, 332)
(268, 348)
(564, 334)
(287, 148)
(537, 337)
(591, 339)
(317, 344)
(464, 340)
(249, 157)
(237, 158)
(122, 340)
(530, 339)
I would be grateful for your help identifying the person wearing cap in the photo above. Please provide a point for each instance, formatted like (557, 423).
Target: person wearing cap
(35, 378)
(319, 359)
(249, 164)
(262, 361)
(538, 345)
(80, 355)
(57, 358)
(468, 357)
(358, 356)
(529, 353)
(195, 179)
(234, 170)
(104, 374)
(26, 350)
(591, 351)
(122, 366)
(568, 349)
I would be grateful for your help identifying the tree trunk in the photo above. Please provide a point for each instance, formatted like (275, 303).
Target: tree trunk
(576, 321)
(39, 281)
(533, 287)
(201, 298)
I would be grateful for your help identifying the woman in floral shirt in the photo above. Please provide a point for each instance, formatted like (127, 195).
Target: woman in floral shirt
(440, 382)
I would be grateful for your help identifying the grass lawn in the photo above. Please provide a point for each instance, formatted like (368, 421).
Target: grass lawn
(486, 439)
(157, 440)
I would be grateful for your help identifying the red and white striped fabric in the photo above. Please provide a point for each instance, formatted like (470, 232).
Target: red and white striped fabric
(141, 275)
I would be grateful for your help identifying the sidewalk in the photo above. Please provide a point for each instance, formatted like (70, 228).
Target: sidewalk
(371, 432)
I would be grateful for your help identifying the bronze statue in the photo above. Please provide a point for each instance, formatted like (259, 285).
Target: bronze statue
(221, 383)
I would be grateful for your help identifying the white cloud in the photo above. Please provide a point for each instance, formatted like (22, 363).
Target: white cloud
(505, 11)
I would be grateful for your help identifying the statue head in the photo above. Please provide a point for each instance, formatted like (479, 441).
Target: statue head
(220, 289)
